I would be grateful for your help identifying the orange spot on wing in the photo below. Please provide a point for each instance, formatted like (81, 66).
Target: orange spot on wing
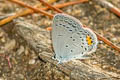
(89, 40)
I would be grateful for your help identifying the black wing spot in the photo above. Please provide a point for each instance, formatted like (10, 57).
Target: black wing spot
(66, 46)
(56, 24)
(91, 41)
(82, 52)
(85, 48)
(63, 25)
(71, 22)
(70, 30)
(54, 56)
(80, 31)
(73, 39)
(82, 39)
(67, 27)
(74, 26)
(66, 20)
(82, 43)
(83, 33)
(60, 35)
(60, 56)
(82, 46)
(56, 17)
(71, 50)
(60, 24)
(70, 37)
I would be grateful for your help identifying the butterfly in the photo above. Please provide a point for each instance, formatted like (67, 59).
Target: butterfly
(70, 39)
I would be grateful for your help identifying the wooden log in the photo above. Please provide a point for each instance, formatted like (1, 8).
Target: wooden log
(39, 40)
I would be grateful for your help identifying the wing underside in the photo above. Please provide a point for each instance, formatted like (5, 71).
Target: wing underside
(69, 38)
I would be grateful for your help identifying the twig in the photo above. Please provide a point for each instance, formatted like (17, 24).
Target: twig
(109, 6)
(30, 7)
(109, 43)
(8, 59)
(52, 7)
(9, 63)
(29, 11)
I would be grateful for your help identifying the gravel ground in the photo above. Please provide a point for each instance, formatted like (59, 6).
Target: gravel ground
(26, 64)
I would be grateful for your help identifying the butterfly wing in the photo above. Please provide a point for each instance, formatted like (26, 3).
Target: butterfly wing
(69, 38)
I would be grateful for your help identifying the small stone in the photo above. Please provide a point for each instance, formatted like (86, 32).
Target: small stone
(32, 61)
(67, 78)
(77, 12)
(10, 45)
(2, 78)
(94, 63)
(26, 51)
(21, 76)
(114, 39)
(91, 23)
(21, 50)
(113, 29)
(100, 42)
(68, 11)
(3, 39)
(1, 34)
(105, 66)
(90, 2)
